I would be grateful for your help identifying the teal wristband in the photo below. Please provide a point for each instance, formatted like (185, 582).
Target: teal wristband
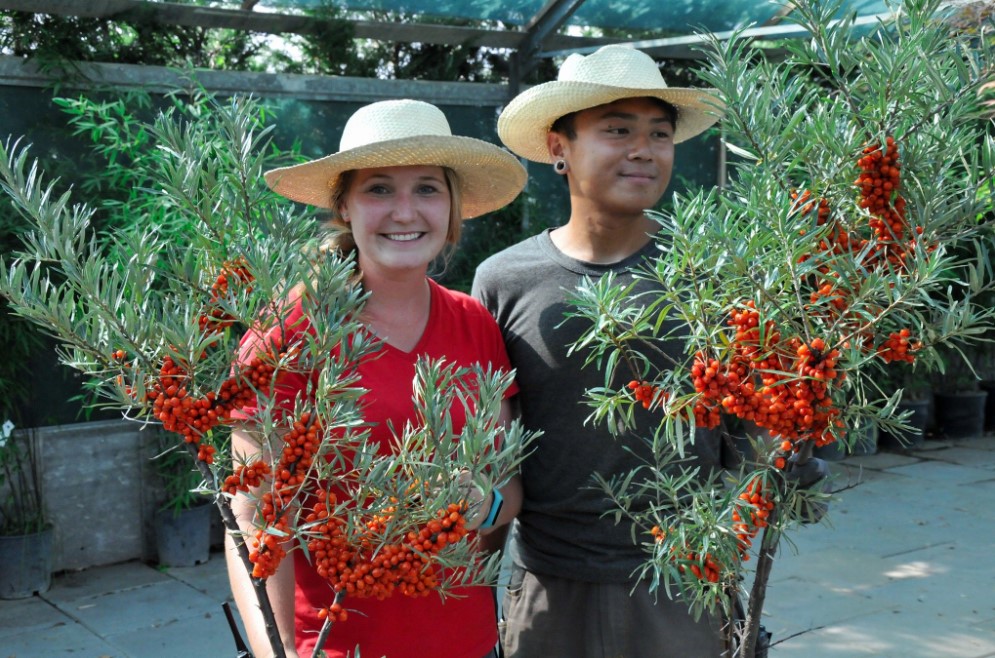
(492, 515)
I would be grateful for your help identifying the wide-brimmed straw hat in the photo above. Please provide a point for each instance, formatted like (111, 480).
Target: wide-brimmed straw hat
(609, 74)
(407, 132)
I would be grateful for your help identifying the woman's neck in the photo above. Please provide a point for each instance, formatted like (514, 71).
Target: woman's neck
(397, 309)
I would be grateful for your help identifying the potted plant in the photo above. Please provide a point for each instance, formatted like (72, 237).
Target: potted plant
(987, 384)
(25, 532)
(912, 408)
(959, 399)
(183, 522)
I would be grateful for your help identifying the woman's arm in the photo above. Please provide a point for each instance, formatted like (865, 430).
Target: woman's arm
(279, 586)
(493, 538)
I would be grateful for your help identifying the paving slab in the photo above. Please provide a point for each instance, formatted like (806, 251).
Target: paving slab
(945, 472)
(966, 455)
(902, 567)
(886, 634)
(204, 636)
(211, 578)
(65, 639)
(141, 608)
(19, 616)
(72, 585)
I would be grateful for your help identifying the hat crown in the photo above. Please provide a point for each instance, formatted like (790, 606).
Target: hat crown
(614, 65)
(389, 120)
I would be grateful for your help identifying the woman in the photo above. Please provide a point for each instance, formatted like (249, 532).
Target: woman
(398, 188)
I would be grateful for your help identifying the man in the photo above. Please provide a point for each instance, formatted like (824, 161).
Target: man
(609, 125)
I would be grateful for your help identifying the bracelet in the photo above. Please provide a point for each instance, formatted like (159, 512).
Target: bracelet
(496, 504)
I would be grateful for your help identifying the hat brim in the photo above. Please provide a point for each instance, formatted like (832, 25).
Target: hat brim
(525, 122)
(490, 177)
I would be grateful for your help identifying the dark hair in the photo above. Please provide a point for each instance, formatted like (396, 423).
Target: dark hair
(566, 124)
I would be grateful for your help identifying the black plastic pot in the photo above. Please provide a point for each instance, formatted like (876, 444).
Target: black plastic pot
(989, 387)
(960, 415)
(26, 564)
(184, 539)
(919, 419)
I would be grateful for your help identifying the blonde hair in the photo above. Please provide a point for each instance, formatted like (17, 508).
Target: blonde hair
(339, 232)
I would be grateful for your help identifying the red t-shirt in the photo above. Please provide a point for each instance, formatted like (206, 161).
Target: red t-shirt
(462, 331)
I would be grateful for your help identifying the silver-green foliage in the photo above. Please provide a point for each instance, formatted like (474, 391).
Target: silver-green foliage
(791, 124)
(200, 203)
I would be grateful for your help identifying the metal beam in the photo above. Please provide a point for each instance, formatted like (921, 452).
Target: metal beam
(171, 13)
(18, 72)
(546, 22)
(658, 47)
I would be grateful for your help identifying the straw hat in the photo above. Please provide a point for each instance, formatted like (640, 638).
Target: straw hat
(406, 132)
(606, 75)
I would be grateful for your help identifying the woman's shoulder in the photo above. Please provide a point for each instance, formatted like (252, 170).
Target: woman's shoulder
(455, 301)
(455, 298)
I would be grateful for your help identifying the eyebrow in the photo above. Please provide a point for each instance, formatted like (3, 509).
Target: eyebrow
(629, 116)
(388, 177)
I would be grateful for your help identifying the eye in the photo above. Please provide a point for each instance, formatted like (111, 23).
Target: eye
(428, 189)
(615, 130)
(378, 188)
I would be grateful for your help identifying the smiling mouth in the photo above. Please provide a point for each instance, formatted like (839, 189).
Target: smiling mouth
(403, 237)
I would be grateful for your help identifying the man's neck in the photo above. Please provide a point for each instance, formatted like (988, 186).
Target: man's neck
(603, 239)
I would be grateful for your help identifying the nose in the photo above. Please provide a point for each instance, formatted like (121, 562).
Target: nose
(640, 147)
(404, 208)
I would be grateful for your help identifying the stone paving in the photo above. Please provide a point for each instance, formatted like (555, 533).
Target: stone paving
(903, 567)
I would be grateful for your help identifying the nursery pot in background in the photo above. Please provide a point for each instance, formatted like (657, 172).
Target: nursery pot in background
(183, 537)
(988, 386)
(864, 440)
(25, 564)
(833, 452)
(918, 421)
(960, 415)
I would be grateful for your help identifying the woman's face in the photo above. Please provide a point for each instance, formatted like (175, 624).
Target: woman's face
(399, 216)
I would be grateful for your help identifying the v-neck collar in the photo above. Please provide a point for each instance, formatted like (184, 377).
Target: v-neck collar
(429, 325)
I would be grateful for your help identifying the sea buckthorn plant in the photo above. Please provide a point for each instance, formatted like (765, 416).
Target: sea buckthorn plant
(854, 233)
(153, 315)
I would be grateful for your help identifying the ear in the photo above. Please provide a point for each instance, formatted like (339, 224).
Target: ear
(343, 212)
(556, 144)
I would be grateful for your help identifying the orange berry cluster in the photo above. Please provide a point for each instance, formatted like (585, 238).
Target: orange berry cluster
(891, 240)
(899, 346)
(266, 549)
(704, 567)
(289, 481)
(880, 187)
(751, 515)
(827, 295)
(758, 507)
(191, 416)
(335, 612)
(215, 319)
(646, 393)
(246, 476)
(838, 240)
(719, 385)
(120, 358)
(368, 568)
(780, 385)
(695, 562)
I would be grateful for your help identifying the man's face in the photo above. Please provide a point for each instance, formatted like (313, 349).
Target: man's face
(622, 157)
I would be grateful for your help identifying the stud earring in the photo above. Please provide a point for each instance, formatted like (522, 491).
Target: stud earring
(560, 166)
